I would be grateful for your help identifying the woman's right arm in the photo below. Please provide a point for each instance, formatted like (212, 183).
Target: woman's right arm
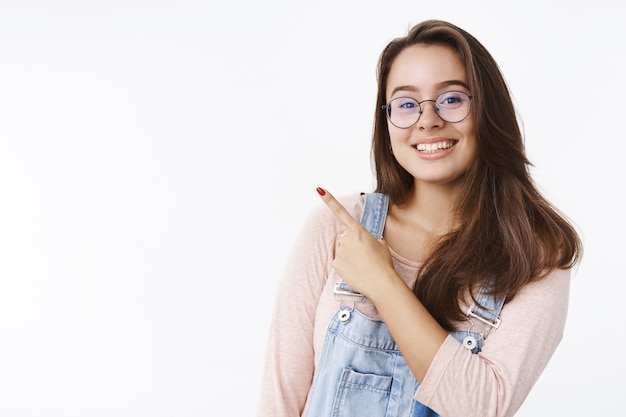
(289, 358)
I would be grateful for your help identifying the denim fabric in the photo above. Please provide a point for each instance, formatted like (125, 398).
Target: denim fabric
(375, 213)
(361, 372)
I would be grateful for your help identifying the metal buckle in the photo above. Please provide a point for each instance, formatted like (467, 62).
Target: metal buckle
(342, 291)
(494, 324)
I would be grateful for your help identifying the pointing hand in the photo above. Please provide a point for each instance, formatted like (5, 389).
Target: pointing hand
(360, 260)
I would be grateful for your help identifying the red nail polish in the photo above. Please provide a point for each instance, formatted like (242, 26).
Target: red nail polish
(321, 191)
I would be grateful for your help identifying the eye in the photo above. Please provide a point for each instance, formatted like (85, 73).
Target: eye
(405, 103)
(452, 99)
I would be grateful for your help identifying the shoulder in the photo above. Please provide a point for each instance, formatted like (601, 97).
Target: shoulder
(552, 289)
(552, 284)
(542, 304)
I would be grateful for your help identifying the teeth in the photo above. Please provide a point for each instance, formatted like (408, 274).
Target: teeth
(433, 147)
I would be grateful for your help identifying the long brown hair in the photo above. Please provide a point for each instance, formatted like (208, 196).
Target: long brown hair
(509, 233)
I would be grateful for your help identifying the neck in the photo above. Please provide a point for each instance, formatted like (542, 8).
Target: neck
(433, 205)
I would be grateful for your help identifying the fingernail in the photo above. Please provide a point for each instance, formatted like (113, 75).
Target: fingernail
(321, 191)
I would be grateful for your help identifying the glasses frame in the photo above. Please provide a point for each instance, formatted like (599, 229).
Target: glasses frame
(385, 108)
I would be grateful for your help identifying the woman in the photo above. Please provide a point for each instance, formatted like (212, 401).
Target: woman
(445, 291)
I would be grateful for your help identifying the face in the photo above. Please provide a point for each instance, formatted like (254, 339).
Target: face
(432, 150)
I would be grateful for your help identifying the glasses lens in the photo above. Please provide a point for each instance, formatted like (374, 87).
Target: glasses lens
(453, 106)
(403, 112)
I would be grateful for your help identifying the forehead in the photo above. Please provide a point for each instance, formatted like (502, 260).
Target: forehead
(426, 68)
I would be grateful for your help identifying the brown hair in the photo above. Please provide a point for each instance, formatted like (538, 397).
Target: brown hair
(508, 231)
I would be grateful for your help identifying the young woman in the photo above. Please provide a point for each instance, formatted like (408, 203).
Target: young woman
(445, 291)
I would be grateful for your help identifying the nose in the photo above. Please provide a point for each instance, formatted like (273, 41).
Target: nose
(429, 118)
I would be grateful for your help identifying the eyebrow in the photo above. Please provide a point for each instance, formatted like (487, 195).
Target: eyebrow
(438, 85)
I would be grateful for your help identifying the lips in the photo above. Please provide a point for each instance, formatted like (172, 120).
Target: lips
(434, 146)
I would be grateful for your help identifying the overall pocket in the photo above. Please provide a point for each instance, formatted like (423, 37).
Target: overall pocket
(362, 395)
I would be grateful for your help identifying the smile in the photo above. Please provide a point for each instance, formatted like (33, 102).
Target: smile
(434, 147)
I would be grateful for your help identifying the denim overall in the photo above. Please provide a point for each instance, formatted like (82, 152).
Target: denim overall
(361, 371)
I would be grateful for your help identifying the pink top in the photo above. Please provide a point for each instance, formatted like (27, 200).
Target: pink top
(494, 382)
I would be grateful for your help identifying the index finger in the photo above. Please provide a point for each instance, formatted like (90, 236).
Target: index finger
(338, 210)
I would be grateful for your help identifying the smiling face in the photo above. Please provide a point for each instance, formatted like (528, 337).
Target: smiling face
(432, 150)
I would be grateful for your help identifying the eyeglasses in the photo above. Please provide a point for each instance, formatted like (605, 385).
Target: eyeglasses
(451, 106)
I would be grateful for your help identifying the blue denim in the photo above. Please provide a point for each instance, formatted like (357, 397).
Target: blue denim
(362, 373)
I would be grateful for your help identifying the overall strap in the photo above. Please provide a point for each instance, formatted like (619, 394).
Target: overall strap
(487, 308)
(375, 213)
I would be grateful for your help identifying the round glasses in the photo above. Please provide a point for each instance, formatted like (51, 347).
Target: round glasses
(451, 106)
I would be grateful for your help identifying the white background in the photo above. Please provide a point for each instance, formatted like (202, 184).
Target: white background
(157, 159)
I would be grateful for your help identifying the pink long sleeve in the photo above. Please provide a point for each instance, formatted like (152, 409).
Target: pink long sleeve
(492, 383)
(289, 362)
(496, 381)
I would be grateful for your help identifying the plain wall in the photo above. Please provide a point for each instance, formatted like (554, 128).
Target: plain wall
(157, 159)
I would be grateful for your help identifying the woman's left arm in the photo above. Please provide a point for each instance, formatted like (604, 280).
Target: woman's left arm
(496, 381)
(453, 381)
